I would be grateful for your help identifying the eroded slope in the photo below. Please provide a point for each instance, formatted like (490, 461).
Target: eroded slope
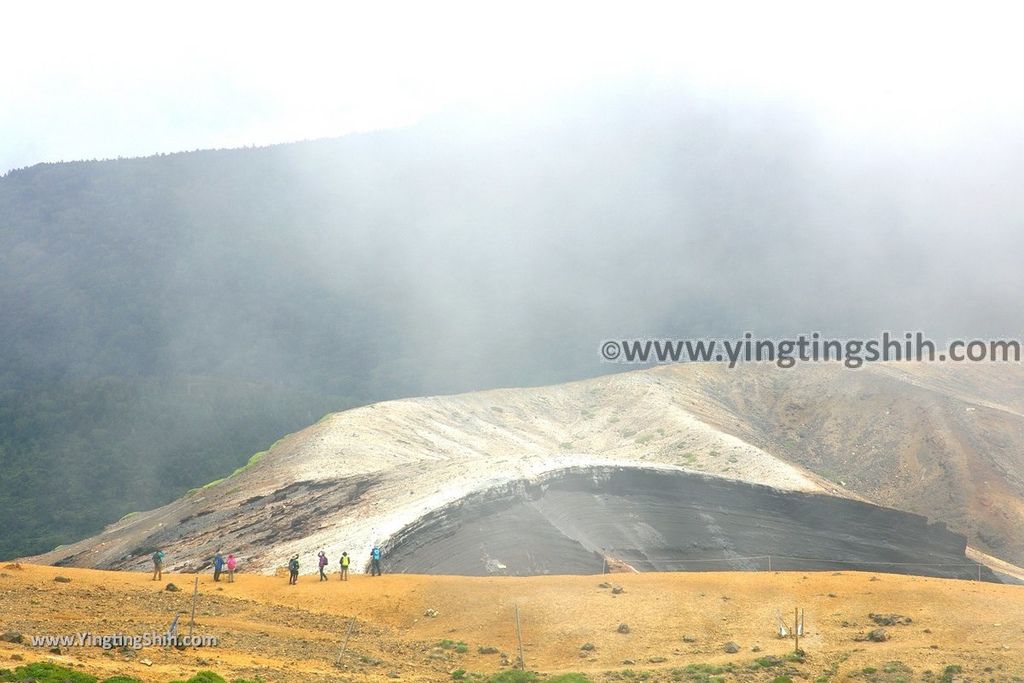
(940, 441)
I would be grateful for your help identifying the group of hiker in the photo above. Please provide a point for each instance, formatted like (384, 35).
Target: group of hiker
(344, 562)
(220, 563)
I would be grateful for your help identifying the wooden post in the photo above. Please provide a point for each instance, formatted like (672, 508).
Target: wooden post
(192, 620)
(979, 572)
(519, 640)
(796, 629)
(769, 563)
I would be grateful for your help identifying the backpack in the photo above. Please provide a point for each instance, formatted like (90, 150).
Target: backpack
(345, 559)
(293, 565)
(323, 560)
(158, 556)
(376, 553)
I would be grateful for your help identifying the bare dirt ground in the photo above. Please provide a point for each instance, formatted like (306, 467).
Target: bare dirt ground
(678, 625)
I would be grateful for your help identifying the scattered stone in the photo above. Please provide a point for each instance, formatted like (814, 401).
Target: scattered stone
(628, 662)
(587, 646)
(656, 660)
(17, 658)
(889, 619)
(61, 579)
(878, 635)
(171, 588)
(489, 650)
(13, 565)
(431, 612)
(616, 590)
(604, 584)
(875, 578)
(12, 637)
(927, 630)
(731, 647)
(755, 648)
(689, 639)
(55, 650)
(394, 674)
(623, 628)
(832, 595)
(146, 662)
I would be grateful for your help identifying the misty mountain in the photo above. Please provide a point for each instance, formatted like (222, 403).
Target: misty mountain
(469, 251)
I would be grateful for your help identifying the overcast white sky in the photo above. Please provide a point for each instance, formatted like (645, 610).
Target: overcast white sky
(103, 79)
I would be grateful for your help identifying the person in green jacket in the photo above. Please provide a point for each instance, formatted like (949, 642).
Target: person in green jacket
(158, 564)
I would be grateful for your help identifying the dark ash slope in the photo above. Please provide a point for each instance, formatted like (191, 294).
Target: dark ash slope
(666, 520)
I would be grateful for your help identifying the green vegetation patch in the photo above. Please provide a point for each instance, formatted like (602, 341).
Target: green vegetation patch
(45, 672)
(204, 677)
(950, 672)
(514, 676)
(457, 646)
(702, 673)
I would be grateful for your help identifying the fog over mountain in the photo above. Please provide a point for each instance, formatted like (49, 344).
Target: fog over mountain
(166, 317)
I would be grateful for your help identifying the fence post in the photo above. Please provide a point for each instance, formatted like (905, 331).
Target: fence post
(519, 640)
(348, 634)
(192, 620)
(796, 629)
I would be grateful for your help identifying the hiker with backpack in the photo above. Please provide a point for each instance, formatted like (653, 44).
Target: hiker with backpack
(322, 565)
(375, 561)
(345, 562)
(232, 563)
(158, 564)
(218, 565)
(293, 570)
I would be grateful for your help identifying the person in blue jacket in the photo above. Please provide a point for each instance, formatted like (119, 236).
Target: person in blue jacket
(375, 561)
(218, 565)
